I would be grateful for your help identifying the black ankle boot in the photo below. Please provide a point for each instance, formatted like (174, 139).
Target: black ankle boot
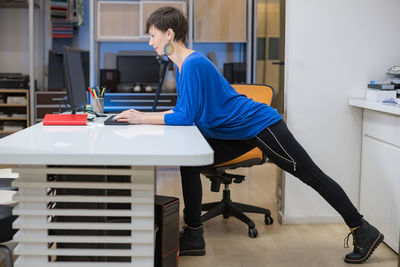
(191, 242)
(365, 240)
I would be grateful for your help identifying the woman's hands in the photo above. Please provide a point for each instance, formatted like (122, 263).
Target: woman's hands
(131, 116)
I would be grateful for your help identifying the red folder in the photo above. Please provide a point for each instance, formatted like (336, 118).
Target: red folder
(65, 119)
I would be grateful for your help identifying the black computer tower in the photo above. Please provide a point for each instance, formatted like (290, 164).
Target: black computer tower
(228, 72)
(56, 71)
(167, 237)
(235, 72)
(109, 79)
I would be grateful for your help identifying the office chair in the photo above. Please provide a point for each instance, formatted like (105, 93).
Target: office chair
(218, 176)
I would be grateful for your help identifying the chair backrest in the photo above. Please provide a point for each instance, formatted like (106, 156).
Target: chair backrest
(259, 93)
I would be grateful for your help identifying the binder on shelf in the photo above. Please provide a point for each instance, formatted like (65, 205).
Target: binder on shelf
(65, 119)
(381, 86)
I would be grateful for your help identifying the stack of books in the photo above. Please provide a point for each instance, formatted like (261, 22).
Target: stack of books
(62, 28)
(378, 91)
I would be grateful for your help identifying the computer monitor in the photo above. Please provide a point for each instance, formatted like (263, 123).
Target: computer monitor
(138, 69)
(75, 81)
(56, 69)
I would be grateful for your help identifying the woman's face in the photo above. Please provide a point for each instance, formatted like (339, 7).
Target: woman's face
(158, 39)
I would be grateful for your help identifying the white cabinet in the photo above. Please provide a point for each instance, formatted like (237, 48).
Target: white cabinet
(380, 174)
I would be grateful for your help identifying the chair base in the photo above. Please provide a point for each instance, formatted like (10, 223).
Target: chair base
(7, 255)
(227, 208)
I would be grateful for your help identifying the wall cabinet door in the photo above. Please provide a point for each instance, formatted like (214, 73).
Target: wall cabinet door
(149, 7)
(126, 20)
(118, 20)
(220, 21)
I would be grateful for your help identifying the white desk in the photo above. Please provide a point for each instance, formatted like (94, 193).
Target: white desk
(51, 161)
(380, 168)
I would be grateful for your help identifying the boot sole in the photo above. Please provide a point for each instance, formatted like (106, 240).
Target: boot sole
(376, 243)
(194, 252)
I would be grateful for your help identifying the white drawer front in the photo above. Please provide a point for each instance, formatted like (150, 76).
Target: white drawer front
(382, 126)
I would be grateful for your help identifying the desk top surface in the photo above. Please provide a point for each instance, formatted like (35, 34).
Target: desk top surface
(97, 144)
(377, 106)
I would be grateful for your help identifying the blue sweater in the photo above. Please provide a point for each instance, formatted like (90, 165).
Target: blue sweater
(207, 100)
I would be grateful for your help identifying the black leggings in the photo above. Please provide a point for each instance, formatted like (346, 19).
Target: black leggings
(280, 147)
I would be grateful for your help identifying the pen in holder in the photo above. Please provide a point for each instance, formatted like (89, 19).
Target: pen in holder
(98, 105)
(98, 98)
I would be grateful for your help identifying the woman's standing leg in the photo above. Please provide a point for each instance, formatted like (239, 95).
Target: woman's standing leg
(192, 241)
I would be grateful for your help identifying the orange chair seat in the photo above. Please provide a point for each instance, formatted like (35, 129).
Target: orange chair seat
(255, 153)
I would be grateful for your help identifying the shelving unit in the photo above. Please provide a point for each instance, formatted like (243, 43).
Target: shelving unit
(6, 110)
(18, 4)
(28, 36)
(48, 102)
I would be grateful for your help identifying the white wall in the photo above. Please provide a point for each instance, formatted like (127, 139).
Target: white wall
(14, 42)
(333, 48)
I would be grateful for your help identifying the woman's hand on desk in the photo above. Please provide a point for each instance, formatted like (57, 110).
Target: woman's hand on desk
(133, 116)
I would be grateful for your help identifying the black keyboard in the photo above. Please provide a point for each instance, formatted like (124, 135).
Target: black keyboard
(110, 121)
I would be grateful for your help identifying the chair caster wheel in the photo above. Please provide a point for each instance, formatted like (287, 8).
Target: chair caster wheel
(253, 232)
(268, 220)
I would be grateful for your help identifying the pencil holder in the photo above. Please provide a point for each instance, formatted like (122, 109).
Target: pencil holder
(98, 105)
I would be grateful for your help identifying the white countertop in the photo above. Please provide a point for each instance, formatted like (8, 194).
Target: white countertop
(377, 106)
(97, 144)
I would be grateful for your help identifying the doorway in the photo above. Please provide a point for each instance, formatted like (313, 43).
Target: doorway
(270, 44)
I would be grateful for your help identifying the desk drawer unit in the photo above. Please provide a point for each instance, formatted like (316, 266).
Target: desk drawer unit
(84, 216)
(49, 102)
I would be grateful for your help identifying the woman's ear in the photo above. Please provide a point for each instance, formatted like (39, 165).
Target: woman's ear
(170, 34)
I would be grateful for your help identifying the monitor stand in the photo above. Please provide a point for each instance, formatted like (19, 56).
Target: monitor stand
(165, 64)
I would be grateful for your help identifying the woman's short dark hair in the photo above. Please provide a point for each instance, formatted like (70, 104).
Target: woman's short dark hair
(169, 17)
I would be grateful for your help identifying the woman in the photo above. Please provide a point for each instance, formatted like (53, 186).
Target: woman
(234, 124)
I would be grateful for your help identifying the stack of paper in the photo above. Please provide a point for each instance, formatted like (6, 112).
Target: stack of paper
(378, 95)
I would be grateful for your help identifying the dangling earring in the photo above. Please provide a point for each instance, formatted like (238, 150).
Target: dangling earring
(168, 49)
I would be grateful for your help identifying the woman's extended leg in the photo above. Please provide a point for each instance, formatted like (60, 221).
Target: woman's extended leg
(279, 145)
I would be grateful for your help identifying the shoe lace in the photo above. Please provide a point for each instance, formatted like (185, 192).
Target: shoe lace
(355, 241)
(346, 240)
(184, 227)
